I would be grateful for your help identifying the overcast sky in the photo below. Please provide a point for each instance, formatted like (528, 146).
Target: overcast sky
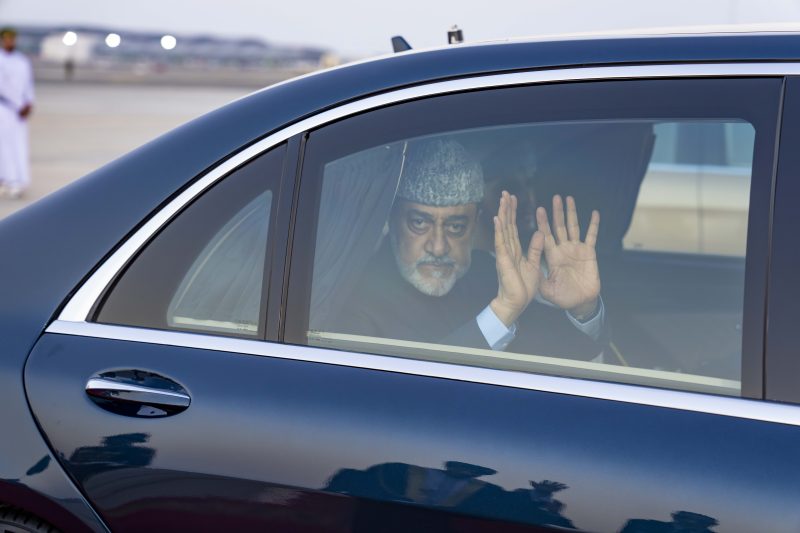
(355, 27)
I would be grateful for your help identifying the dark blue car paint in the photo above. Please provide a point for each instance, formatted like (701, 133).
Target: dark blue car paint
(288, 438)
(51, 246)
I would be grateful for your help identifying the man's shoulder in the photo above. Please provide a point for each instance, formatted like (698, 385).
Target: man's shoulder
(378, 279)
(14, 58)
(19, 57)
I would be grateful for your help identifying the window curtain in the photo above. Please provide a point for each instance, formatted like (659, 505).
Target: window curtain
(357, 195)
(222, 289)
(602, 169)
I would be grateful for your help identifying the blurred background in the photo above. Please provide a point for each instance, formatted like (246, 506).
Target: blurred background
(111, 75)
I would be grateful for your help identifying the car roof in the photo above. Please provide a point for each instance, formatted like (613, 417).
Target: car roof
(733, 42)
(393, 71)
(663, 31)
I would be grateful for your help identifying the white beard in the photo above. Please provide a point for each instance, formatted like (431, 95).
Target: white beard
(437, 285)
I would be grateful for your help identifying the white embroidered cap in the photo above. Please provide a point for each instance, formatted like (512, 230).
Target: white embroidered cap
(440, 172)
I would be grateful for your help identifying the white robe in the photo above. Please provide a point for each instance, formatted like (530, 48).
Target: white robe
(16, 91)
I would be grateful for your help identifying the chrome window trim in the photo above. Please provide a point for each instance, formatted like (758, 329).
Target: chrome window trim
(632, 394)
(73, 319)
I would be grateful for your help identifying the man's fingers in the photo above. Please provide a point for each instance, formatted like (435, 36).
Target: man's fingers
(558, 219)
(507, 210)
(513, 231)
(502, 216)
(594, 227)
(544, 226)
(499, 242)
(573, 227)
(513, 211)
(535, 249)
(500, 207)
(506, 203)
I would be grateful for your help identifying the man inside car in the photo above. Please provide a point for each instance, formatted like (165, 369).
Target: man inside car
(429, 284)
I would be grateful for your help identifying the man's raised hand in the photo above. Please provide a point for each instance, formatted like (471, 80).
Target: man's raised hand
(518, 273)
(573, 280)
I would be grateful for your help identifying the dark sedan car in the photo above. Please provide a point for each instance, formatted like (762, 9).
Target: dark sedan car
(524, 286)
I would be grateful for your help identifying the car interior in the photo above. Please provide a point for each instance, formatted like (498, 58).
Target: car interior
(677, 313)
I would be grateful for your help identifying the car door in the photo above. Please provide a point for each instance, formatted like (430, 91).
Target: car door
(678, 307)
(175, 401)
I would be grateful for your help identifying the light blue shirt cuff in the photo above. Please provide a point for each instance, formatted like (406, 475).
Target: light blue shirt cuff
(497, 335)
(592, 327)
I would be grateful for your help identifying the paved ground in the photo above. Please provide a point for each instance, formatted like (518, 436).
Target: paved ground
(77, 128)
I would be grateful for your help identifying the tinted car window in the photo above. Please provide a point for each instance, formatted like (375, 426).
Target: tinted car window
(222, 289)
(406, 257)
(206, 270)
(694, 197)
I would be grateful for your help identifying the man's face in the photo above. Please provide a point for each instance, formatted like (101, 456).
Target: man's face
(432, 245)
(9, 41)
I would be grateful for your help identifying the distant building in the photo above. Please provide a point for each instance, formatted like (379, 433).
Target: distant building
(48, 45)
(52, 48)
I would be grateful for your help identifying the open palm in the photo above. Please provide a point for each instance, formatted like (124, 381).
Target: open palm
(573, 280)
(518, 270)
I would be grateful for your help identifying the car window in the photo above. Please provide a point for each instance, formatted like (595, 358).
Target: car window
(206, 270)
(694, 196)
(413, 255)
(221, 290)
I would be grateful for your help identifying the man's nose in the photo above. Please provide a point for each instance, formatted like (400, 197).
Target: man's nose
(437, 244)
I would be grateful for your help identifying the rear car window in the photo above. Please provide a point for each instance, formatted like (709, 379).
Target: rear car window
(206, 270)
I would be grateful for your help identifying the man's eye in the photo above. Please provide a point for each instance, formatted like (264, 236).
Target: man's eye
(417, 223)
(456, 229)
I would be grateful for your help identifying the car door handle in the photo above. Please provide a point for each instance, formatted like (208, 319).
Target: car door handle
(135, 400)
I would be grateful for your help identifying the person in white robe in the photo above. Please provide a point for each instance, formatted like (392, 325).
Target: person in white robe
(16, 103)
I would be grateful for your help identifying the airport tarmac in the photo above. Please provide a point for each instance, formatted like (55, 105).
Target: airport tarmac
(76, 128)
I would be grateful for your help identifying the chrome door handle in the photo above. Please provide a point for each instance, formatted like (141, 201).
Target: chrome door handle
(135, 400)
